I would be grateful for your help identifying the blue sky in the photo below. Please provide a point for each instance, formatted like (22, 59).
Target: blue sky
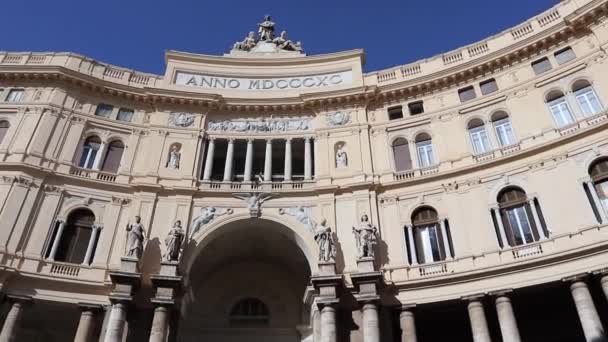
(135, 33)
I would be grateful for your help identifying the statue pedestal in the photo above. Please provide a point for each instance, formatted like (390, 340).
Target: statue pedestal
(167, 283)
(327, 268)
(367, 280)
(129, 264)
(365, 264)
(126, 280)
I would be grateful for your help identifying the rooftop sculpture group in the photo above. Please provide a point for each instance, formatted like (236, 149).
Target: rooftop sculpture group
(266, 34)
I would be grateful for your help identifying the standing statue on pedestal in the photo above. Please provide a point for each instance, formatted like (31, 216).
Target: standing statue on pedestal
(135, 239)
(325, 240)
(174, 241)
(341, 158)
(365, 238)
(266, 29)
(174, 158)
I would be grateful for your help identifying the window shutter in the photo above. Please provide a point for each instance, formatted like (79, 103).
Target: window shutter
(113, 157)
(592, 203)
(403, 160)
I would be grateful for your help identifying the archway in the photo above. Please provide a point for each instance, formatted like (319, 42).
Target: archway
(246, 282)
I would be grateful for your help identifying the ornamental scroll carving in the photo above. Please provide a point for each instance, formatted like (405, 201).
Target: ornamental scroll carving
(338, 118)
(260, 125)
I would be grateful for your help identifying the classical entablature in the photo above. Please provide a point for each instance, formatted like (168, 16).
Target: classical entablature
(287, 79)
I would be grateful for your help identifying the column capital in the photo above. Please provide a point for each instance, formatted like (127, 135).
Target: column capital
(405, 307)
(250, 140)
(601, 272)
(269, 140)
(90, 307)
(474, 297)
(97, 227)
(288, 139)
(576, 278)
(327, 303)
(501, 293)
(19, 299)
(231, 140)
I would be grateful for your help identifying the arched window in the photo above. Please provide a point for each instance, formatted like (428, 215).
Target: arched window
(503, 129)
(424, 148)
(113, 156)
(520, 217)
(249, 312)
(401, 155)
(586, 98)
(75, 239)
(479, 137)
(89, 152)
(558, 105)
(4, 126)
(599, 176)
(430, 237)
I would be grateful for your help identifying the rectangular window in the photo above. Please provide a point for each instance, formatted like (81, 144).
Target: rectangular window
(125, 114)
(561, 112)
(542, 65)
(104, 110)
(504, 132)
(488, 86)
(588, 101)
(425, 153)
(416, 107)
(479, 140)
(467, 94)
(395, 113)
(564, 55)
(15, 95)
(430, 243)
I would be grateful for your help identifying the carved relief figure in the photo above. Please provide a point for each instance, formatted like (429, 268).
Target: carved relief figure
(338, 119)
(341, 157)
(325, 240)
(266, 29)
(301, 215)
(365, 238)
(181, 119)
(135, 238)
(174, 157)
(207, 215)
(174, 241)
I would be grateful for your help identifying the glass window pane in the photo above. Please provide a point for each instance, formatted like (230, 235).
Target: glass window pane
(479, 139)
(588, 101)
(15, 95)
(488, 87)
(104, 110)
(542, 65)
(565, 55)
(504, 132)
(561, 112)
(602, 193)
(125, 115)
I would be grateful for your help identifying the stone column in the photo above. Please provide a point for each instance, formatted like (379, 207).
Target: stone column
(604, 282)
(229, 158)
(307, 159)
(116, 324)
(446, 241)
(160, 324)
(55, 245)
(209, 160)
(89, 254)
(316, 326)
(587, 313)
(477, 316)
(287, 170)
(501, 228)
(407, 324)
(268, 161)
(13, 318)
(328, 324)
(86, 325)
(371, 327)
(412, 245)
(506, 319)
(539, 227)
(248, 161)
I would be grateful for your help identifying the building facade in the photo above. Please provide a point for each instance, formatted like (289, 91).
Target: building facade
(267, 195)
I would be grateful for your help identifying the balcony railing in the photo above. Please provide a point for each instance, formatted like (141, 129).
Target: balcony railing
(271, 186)
(93, 174)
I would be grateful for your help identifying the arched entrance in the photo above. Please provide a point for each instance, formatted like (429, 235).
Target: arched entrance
(246, 282)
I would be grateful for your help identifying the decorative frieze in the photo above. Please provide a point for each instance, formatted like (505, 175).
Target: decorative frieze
(338, 118)
(181, 119)
(260, 125)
